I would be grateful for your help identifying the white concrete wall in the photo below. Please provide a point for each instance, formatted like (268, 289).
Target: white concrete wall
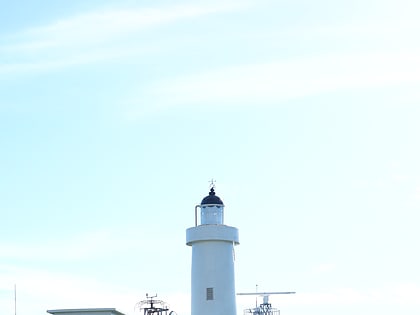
(213, 267)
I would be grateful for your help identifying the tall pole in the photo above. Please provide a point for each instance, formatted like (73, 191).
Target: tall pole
(15, 298)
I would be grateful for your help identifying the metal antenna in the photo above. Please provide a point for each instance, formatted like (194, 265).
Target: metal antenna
(256, 298)
(15, 298)
(151, 306)
(212, 183)
(265, 308)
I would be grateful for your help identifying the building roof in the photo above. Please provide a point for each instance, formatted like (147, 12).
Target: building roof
(86, 311)
(212, 199)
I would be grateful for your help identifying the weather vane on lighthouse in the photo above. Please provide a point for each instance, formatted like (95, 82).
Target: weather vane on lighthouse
(212, 185)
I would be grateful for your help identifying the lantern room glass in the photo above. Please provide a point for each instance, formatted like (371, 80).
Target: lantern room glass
(212, 214)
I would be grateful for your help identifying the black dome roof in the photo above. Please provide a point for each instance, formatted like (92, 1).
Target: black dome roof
(212, 199)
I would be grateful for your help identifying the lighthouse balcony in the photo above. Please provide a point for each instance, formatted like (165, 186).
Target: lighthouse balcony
(212, 232)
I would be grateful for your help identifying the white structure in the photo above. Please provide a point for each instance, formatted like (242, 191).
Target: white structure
(86, 311)
(212, 269)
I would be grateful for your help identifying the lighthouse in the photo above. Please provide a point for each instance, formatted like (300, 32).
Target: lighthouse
(212, 265)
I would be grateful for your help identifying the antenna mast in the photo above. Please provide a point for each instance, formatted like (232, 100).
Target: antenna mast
(264, 308)
(15, 298)
(151, 306)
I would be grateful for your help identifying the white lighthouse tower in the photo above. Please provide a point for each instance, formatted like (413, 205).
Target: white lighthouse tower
(212, 269)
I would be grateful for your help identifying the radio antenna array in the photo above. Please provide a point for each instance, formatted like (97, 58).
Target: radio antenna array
(151, 306)
(264, 308)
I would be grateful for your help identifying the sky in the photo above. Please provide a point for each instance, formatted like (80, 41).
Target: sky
(115, 115)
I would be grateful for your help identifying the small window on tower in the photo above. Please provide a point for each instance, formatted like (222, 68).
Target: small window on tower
(210, 295)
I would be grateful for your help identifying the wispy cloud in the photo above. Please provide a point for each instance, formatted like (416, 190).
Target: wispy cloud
(401, 30)
(108, 24)
(93, 244)
(96, 36)
(271, 83)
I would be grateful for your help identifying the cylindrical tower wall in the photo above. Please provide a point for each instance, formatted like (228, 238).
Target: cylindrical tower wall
(213, 278)
(212, 269)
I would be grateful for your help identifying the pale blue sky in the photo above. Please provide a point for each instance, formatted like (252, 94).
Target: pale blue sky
(115, 115)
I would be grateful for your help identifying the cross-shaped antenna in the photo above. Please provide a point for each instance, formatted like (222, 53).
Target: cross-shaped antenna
(212, 183)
